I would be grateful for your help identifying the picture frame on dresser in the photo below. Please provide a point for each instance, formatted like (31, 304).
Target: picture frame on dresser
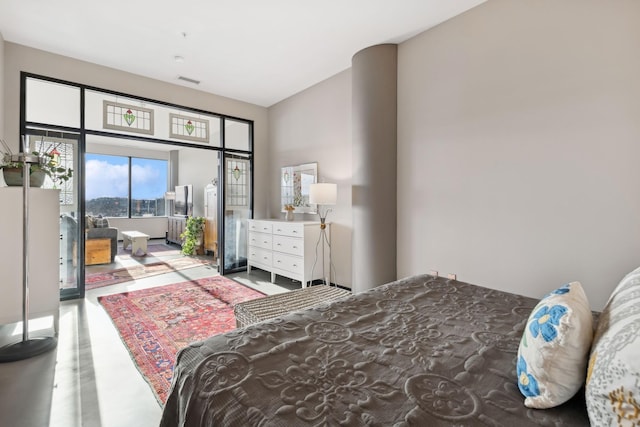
(286, 248)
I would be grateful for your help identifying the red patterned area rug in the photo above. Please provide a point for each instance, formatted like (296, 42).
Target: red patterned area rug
(140, 271)
(155, 323)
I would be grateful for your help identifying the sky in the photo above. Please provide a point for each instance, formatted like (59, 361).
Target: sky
(106, 176)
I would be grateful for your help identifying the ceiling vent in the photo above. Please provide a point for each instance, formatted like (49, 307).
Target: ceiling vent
(187, 79)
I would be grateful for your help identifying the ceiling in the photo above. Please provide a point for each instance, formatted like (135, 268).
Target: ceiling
(255, 51)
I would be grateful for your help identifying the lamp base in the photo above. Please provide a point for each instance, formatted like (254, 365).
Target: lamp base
(27, 349)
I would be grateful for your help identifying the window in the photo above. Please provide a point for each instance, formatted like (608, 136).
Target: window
(129, 187)
(52, 103)
(148, 185)
(237, 134)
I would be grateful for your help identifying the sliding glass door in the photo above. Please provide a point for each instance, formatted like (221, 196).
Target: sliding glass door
(60, 151)
(237, 210)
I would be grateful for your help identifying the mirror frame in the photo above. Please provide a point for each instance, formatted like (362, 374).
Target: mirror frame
(291, 187)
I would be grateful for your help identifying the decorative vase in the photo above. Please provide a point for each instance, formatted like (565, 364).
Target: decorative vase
(289, 216)
(13, 177)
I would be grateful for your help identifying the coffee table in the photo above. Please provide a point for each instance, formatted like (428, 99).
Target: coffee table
(137, 240)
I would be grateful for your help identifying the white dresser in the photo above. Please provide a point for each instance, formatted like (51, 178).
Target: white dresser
(44, 254)
(287, 248)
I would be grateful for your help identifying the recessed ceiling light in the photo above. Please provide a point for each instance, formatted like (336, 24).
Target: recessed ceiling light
(178, 58)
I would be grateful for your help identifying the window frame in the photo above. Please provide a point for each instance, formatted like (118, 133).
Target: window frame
(130, 185)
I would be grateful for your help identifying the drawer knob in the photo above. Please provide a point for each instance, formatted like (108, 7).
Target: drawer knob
(295, 247)
(295, 265)
(264, 241)
(278, 261)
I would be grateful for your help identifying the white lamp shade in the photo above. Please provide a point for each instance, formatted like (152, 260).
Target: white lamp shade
(323, 193)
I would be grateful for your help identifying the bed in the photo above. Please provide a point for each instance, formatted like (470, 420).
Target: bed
(422, 351)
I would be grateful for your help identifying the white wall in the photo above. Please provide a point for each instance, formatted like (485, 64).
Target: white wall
(315, 126)
(198, 168)
(518, 142)
(21, 58)
(2, 108)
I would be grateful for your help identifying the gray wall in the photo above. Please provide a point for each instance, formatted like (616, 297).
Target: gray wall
(517, 136)
(21, 58)
(315, 126)
(518, 140)
(374, 111)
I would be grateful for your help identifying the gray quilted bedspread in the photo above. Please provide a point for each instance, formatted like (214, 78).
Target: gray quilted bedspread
(422, 351)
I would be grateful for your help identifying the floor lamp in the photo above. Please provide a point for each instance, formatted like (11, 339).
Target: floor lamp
(323, 194)
(28, 347)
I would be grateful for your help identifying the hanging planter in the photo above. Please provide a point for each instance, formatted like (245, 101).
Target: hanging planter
(13, 177)
(48, 166)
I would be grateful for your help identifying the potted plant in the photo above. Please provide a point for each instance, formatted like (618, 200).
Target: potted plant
(289, 209)
(192, 235)
(47, 166)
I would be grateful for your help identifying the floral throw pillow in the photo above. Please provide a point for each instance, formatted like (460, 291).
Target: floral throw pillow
(553, 352)
(613, 382)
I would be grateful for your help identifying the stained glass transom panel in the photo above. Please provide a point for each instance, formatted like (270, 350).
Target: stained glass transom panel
(189, 128)
(127, 117)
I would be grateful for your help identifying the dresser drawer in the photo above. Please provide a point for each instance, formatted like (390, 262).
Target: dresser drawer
(260, 256)
(261, 226)
(289, 245)
(285, 248)
(288, 263)
(261, 240)
(288, 229)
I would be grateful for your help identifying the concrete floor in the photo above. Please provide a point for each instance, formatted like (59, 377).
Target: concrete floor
(89, 379)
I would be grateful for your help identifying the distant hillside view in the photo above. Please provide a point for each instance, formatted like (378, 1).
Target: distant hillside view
(118, 207)
(113, 181)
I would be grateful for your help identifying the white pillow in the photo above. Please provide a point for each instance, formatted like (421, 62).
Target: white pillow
(613, 384)
(553, 352)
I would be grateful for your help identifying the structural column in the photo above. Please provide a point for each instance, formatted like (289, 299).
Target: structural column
(374, 118)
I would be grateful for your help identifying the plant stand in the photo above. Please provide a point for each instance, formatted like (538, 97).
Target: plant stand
(28, 347)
